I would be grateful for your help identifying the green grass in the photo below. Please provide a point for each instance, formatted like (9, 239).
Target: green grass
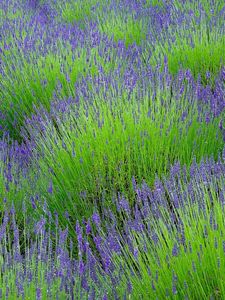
(98, 152)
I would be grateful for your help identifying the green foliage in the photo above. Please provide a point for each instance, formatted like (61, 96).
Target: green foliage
(201, 51)
(127, 29)
(206, 55)
(149, 3)
(78, 11)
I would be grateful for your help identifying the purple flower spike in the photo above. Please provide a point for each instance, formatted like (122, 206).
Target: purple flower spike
(38, 294)
(207, 118)
(175, 250)
(40, 226)
(96, 219)
(88, 228)
(50, 188)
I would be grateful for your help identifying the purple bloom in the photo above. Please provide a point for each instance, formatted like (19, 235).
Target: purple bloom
(155, 238)
(153, 286)
(193, 266)
(129, 287)
(81, 267)
(174, 289)
(123, 204)
(215, 242)
(96, 219)
(208, 75)
(50, 187)
(207, 118)
(39, 226)
(88, 227)
(38, 294)
(175, 250)
(63, 236)
(218, 262)
(135, 253)
(98, 242)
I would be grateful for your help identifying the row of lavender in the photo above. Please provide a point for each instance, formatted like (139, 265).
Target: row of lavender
(183, 217)
(52, 55)
(112, 159)
(74, 159)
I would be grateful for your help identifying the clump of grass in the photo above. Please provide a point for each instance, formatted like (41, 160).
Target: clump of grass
(96, 150)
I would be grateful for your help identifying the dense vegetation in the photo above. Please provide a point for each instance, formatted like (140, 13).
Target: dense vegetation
(112, 149)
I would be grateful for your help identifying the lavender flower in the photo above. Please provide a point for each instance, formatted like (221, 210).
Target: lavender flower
(96, 219)
(40, 226)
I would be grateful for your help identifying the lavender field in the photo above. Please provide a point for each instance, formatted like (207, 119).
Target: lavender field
(112, 149)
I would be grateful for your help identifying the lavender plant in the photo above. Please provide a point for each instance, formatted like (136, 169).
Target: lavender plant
(174, 247)
(78, 11)
(152, 3)
(172, 238)
(205, 57)
(17, 182)
(210, 8)
(196, 44)
(97, 148)
(127, 29)
(33, 81)
(46, 270)
(6, 13)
